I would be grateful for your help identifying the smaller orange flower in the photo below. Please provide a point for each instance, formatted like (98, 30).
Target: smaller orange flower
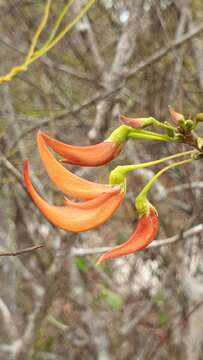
(143, 235)
(93, 155)
(76, 217)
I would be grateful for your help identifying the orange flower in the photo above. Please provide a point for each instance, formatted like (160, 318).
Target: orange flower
(143, 235)
(93, 155)
(67, 182)
(76, 217)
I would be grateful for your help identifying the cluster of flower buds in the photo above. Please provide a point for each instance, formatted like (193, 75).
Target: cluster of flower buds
(100, 201)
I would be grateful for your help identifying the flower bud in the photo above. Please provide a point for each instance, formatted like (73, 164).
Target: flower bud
(176, 117)
(137, 123)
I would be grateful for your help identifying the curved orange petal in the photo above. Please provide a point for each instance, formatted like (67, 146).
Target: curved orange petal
(93, 155)
(143, 235)
(88, 204)
(67, 182)
(73, 218)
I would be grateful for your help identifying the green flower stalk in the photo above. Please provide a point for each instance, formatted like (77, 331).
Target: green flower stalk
(141, 203)
(147, 225)
(118, 175)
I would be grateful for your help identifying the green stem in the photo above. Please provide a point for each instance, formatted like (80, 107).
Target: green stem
(152, 121)
(162, 171)
(163, 125)
(118, 174)
(124, 132)
(141, 203)
(149, 135)
(38, 32)
(55, 27)
(63, 32)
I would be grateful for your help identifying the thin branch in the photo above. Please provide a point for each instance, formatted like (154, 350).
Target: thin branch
(47, 61)
(93, 251)
(164, 51)
(117, 73)
(60, 115)
(7, 164)
(139, 67)
(22, 252)
(186, 186)
(190, 232)
(8, 320)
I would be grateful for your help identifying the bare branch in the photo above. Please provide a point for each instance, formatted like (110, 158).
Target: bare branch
(11, 169)
(186, 234)
(8, 321)
(164, 51)
(186, 186)
(22, 252)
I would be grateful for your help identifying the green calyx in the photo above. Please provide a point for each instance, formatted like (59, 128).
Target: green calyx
(186, 126)
(142, 205)
(189, 125)
(124, 133)
(120, 135)
(117, 176)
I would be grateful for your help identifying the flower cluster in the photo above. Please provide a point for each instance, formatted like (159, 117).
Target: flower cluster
(100, 201)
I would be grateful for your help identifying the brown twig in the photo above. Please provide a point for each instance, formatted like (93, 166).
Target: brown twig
(21, 252)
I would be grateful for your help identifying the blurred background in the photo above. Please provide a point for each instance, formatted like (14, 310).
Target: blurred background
(132, 57)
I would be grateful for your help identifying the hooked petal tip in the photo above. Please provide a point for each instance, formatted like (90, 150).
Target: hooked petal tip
(143, 235)
(100, 261)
